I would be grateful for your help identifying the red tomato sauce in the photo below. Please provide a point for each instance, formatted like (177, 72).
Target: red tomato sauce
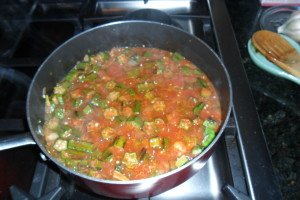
(131, 113)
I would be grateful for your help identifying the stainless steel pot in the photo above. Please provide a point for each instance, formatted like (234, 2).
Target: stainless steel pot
(124, 34)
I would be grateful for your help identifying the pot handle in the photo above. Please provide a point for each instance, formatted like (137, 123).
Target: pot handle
(16, 141)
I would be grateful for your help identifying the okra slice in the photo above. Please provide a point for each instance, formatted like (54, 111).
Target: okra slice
(106, 155)
(181, 160)
(210, 123)
(59, 113)
(145, 87)
(201, 83)
(80, 145)
(156, 142)
(209, 136)
(77, 103)
(143, 155)
(135, 121)
(177, 57)
(198, 108)
(120, 141)
(130, 160)
(87, 110)
(119, 176)
(137, 107)
(73, 154)
(197, 149)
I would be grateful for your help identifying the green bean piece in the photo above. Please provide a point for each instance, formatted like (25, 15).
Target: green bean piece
(181, 161)
(87, 110)
(59, 113)
(156, 142)
(177, 57)
(197, 150)
(198, 108)
(137, 107)
(80, 145)
(120, 141)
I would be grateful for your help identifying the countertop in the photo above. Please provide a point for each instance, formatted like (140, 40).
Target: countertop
(277, 102)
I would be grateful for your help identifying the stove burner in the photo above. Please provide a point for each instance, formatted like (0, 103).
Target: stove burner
(151, 15)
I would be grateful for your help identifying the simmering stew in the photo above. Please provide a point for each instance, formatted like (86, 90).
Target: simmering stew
(131, 113)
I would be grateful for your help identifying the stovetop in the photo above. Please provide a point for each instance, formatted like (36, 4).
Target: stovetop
(31, 30)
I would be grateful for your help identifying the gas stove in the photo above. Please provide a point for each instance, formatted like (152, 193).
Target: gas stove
(240, 167)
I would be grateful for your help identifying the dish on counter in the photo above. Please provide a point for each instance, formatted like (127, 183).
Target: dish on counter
(263, 63)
